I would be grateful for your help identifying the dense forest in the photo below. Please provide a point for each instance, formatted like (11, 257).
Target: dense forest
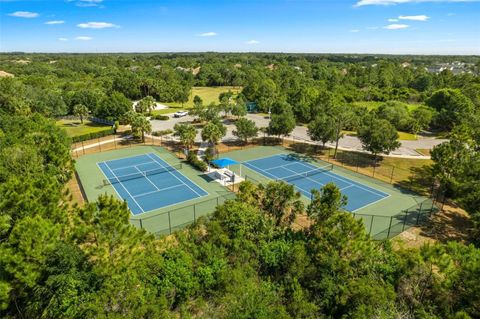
(247, 260)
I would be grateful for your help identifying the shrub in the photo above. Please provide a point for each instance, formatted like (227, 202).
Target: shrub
(160, 117)
(162, 133)
(193, 160)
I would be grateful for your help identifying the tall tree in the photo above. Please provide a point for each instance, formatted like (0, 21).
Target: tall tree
(320, 129)
(282, 124)
(145, 105)
(213, 132)
(81, 111)
(341, 116)
(186, 133)
(378, 136)
(245, 129)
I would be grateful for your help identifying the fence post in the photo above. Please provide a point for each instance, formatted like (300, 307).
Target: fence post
(115, 140)
(194, 212)
(371, 225)
(389, 227)
(374, 167)
(418, 217)
(83, 148)
(404, 220)
(169, 224)
(141, 224)
(99, 145)
(391, 176)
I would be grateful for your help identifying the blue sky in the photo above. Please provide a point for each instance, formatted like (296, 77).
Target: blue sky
(326, 26)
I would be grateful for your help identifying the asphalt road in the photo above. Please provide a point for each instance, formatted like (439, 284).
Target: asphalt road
(352, 143)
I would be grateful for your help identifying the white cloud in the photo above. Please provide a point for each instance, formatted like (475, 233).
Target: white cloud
(89, 3)
(55, 22)
(83, 38)
(24, 14)
(252, 42)
(208, 34)
(396, 26)
(354, 31)
(394, 2)
(62, 39)
(392, 20)
(97, 25)
(415, 18)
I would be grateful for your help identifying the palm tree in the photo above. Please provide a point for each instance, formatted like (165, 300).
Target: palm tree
(140, 125)
(213, 132)
(81, 111)
(145, 105)
(186, 133)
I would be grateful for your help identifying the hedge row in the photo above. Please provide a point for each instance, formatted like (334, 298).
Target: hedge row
(91, 136)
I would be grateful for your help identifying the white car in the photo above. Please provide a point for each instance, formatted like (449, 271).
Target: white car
(180, 114)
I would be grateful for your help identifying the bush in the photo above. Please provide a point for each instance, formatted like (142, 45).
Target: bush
(91, 136)
(162, 133)
(193, 160)
(160, 117)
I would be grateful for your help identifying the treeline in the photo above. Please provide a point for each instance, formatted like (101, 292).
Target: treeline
(58, 82)
(246, 261)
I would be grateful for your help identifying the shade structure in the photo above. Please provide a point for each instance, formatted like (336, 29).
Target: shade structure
(224, 162)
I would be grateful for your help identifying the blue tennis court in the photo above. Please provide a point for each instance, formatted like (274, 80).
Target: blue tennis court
(147, 182)
(305, 177)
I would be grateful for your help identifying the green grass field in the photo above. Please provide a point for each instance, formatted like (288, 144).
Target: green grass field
(372, 105)
(403, 136)
(76, 128)
(208, 95)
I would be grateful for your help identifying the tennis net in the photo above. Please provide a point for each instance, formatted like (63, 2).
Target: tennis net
(310, 173)
(118, 179)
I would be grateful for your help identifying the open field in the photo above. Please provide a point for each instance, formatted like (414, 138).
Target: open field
(403, 136)
(208, 95)
(75, 128)
(372, 105)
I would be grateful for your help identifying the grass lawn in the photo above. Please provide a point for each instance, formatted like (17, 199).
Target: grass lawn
(372, 105)
(75, 128)
(403, 136)
(208, 95)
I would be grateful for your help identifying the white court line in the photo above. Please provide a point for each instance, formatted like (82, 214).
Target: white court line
(306, 177)
(121, 184)
(128, 166)
(341, 179)
(159, 190)
(281, 166)
(276, 178)
(119, 159)
(357, 184)
(148, 179)
(177, 177)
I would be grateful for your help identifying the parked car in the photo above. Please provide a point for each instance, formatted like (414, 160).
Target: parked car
(180, 114)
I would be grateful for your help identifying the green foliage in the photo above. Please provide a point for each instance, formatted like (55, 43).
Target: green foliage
(452, 107)
(186, 133)
(396, 113)
(245, 129)
(145, 105)
(160, 117)
(139, 124)
(113, 107)
(193, 160)
(81, 111)
(213, 131)
(249, 259)
(378, 136)
(320, 129)
(282, 124)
